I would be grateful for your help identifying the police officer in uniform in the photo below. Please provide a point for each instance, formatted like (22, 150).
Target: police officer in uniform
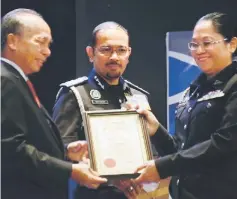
(103, 89)
(202, 155)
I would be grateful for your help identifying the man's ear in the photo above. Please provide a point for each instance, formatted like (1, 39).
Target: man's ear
(129, 52)
(233, 44)
(90, 53)
(12, 41)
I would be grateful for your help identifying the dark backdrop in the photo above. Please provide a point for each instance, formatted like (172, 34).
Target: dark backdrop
(72, 22)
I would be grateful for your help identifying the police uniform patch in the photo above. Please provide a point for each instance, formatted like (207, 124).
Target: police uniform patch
(95, 94)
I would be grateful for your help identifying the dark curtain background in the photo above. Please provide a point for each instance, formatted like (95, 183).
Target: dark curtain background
(72, 22)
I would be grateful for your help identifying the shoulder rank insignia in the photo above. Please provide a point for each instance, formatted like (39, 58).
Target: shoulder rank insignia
(75, 82)
(212, 95)
(184, 97)
(136, 87)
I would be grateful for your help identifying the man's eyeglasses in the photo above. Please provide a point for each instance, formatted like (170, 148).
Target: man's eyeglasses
(108, 50)
(205, 44)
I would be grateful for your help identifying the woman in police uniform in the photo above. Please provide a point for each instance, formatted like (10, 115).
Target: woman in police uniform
(202, 155)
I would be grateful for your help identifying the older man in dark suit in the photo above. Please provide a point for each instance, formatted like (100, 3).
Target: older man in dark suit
(33, 165)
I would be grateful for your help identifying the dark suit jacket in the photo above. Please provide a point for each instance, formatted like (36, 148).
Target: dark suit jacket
(32, 151)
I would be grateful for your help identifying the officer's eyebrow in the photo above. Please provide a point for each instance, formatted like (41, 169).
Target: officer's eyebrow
(108, 45)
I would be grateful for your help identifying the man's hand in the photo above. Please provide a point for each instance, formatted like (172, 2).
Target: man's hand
(84, 175)
(77, 150)
(149, 173)
(128, 187)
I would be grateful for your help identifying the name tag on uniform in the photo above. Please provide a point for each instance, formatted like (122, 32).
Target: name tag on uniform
(212, 95)
(141, 100)
(99, 102)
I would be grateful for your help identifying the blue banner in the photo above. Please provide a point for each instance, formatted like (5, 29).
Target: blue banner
(181, 71)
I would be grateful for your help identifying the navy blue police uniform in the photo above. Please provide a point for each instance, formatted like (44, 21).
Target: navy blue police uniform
(90, 94)
(202, 155)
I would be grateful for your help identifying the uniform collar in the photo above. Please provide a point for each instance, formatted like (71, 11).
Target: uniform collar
(216, 82)
(100, 83)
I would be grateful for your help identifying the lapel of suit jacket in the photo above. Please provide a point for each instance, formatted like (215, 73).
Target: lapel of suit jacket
(28, 94)
(19, 78)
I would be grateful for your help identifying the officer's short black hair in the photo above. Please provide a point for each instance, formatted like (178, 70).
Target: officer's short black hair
(104, 26)
(12, 24)
(223, 24)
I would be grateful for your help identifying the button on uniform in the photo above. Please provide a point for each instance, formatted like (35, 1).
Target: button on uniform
(177, 183)
(189, 109)
(185, 126)
(208, 105)
(182, 145)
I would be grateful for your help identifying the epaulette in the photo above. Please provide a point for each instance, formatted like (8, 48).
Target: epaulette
(186, 91)
(184, 95)
(136, 87)
(75, 82)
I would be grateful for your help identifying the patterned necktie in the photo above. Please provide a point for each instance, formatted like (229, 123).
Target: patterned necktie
(33, 92)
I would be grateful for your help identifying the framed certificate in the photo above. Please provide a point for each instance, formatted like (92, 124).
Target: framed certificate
(118, 142)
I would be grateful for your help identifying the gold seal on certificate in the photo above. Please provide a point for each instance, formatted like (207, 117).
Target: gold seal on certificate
(118, 142)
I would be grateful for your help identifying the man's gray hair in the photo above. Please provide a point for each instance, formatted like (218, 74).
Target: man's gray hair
(12, 24)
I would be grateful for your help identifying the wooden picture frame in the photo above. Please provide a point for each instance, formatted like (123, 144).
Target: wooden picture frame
(118, 142)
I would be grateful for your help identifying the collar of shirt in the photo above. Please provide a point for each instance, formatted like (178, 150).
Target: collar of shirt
(217, 81)
(98, 81)
(14, 65)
